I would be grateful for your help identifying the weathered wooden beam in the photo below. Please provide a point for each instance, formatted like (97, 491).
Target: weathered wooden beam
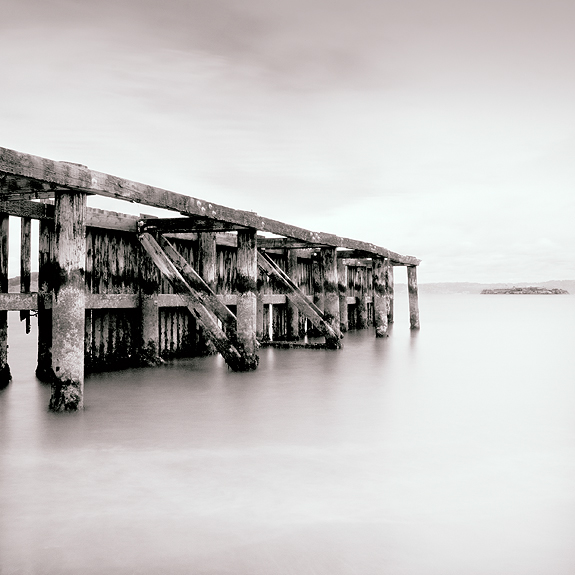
(28, 209)
(104, 219)
(413, 297)
(204, 316)
(284, 243)
(82, 179)
(186, 225)
(379, 298)
(68, 302)
(358, 263)
(308, 308)
(5, 375)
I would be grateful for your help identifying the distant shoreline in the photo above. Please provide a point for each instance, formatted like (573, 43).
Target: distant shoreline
(525, 291)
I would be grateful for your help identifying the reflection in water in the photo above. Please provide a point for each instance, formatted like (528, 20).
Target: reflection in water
(447, 451)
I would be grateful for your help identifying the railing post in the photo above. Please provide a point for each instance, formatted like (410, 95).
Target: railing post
(68, 302)
(413, 298)
(246, 288)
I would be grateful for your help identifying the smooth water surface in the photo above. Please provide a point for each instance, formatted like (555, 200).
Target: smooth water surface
(446, 451)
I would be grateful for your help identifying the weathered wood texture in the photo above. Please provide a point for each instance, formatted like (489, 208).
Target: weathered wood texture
(413, 297)
(5, 375)
(42, 172)
(68, 303)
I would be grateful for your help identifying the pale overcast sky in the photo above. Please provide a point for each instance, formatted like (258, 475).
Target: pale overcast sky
(440, 129)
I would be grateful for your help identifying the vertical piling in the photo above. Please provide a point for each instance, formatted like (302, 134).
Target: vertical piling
(413, 297)
(207, 259)
(361, 294)
(379, 297)
(342, 291)
(25, 264)
(5, 375)
(45, 248)
(330, 287)
(68, 302)
(292, 311)
(246, 288)
(390, 290)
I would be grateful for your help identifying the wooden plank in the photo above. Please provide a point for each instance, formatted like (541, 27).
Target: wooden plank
(80, 178)
(18, 301)
(204, 316)
(309, 309)
(25, 264)
(28, 209)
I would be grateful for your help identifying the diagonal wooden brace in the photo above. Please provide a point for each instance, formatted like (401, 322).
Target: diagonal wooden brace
(199, 307)
(202, 290)
(299, 299)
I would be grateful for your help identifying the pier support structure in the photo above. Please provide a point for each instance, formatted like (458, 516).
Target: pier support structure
(68, 302)
(291, 309)
(342, 292)
(246, 288)
(380, 297)
(330, 287)
(5, 375)
(390, 290)
(361, 294)
(413, 298)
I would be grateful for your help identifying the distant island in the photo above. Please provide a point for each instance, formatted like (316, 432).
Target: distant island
(526, 290)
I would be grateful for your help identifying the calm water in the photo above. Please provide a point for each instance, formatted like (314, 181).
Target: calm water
(450, 451)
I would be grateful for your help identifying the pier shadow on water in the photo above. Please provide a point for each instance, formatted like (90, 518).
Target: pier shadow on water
(449, 451)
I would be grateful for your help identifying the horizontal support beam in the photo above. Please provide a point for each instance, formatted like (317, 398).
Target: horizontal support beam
(285, 243)
(29, 301)
(171, 225)
(79, 178)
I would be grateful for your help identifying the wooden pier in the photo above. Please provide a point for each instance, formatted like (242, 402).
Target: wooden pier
(116, 290)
